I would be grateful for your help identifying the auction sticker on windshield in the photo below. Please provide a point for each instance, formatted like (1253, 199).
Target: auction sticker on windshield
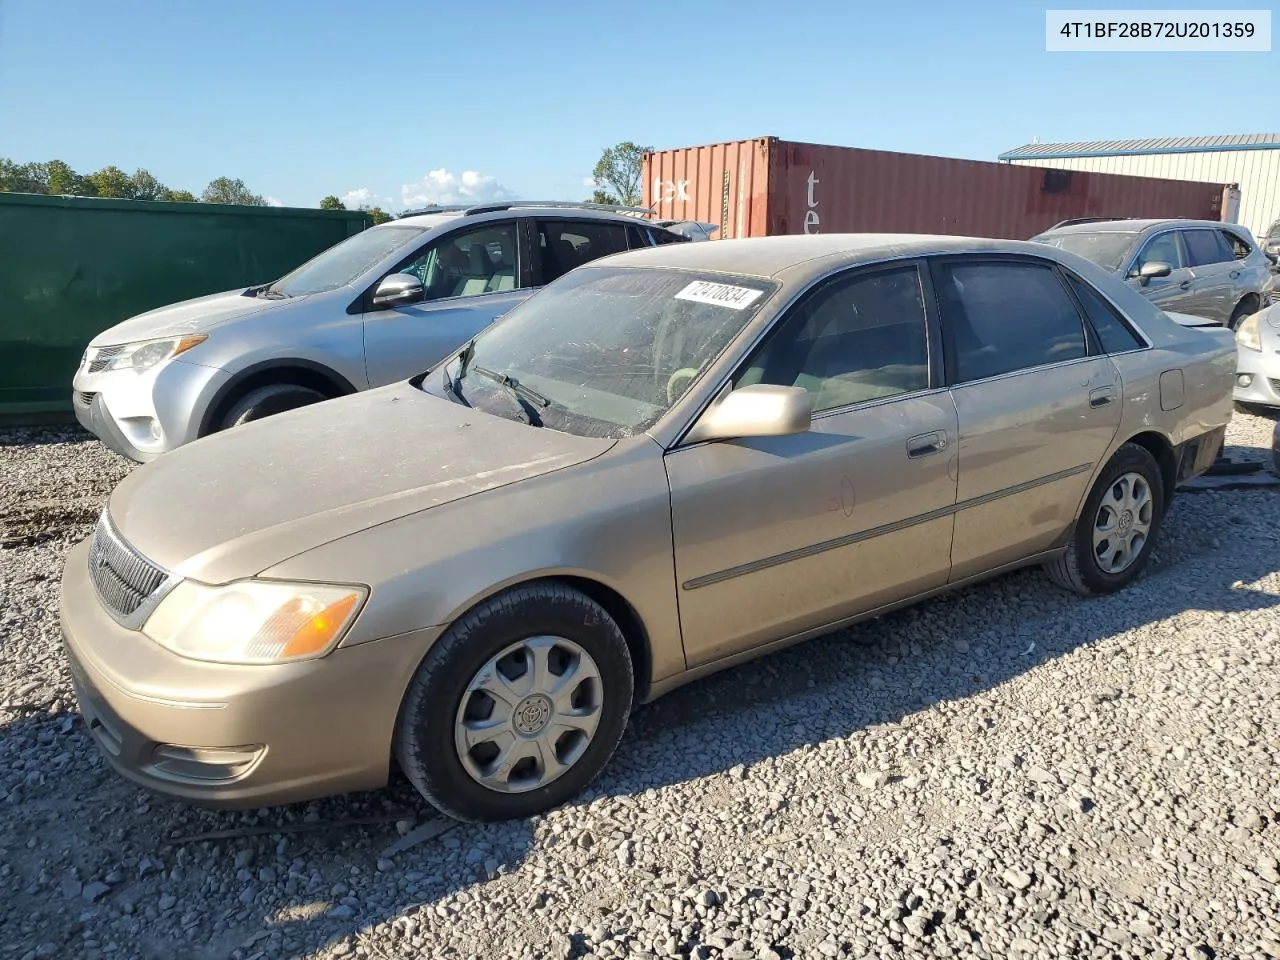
(721, 294)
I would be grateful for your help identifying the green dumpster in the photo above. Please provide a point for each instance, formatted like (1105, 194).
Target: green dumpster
(72, 266)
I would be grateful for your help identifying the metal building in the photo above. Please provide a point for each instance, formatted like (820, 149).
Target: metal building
(1250, 160)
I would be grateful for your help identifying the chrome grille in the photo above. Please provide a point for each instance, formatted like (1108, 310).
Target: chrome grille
(103, 356)
(122, 577)
(85, 398)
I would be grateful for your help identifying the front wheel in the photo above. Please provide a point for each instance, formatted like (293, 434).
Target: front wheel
(267, 401)
(518, 706)
(1112, 539)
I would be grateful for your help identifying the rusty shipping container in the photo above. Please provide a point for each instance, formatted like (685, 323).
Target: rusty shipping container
(767, 187)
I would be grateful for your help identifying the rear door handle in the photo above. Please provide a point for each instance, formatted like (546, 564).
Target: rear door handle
(1234, 274)
(926, 444)
(1102, 396)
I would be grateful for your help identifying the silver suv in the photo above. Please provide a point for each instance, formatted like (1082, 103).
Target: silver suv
(381, 306)
(1201, 267)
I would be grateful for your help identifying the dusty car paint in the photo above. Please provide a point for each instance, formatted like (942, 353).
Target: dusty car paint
(712, 552)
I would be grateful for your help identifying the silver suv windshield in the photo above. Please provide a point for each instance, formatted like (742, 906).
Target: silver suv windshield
(1108, 249)
(603, 351)
(343, 263)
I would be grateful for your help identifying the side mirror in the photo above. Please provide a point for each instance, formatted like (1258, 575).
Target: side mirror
(1152, 268)
(398, 288)
(758, 410)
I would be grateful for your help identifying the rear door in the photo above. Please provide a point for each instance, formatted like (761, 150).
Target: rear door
(1038, 405)
(1168, 293)
(471, 276)
(1212, 265)
(778, 535)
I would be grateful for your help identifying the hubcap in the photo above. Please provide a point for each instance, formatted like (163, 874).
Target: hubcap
(1123, 523)
(528, 714)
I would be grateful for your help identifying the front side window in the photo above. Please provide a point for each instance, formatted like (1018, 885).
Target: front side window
(468, 263)
(566, 244)
(1006, 316)
(345, 262)
(1164, 248)
(855, 339)
(610, 349)
(1205, 247)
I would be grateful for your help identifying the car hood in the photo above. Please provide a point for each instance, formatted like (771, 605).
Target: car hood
(238, 502)
(188, 316)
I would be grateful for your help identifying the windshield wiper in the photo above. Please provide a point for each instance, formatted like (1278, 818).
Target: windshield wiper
(451, 388)
(524, 396)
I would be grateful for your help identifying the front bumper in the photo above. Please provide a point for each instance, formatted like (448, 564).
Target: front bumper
(227, 735)
(1262, 370)
(141, 416)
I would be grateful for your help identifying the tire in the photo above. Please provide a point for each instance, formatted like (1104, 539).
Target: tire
(1242, 310)
(265, 401)
(436, 707)
(1081, 568)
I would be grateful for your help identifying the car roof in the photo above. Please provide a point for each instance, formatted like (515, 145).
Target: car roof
(1131, 226)
(800, 256)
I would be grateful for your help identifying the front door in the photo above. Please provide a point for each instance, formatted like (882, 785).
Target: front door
(1036, 410)
(1174, 291)
(775, 536)
(471, 277)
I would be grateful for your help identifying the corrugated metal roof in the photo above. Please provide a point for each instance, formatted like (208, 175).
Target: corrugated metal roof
(1121, 148)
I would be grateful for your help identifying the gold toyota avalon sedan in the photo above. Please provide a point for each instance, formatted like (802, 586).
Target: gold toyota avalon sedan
(660, 465)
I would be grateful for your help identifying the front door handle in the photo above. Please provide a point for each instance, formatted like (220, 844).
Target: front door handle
(1185, 285)
(927, 444)
(1102, 396)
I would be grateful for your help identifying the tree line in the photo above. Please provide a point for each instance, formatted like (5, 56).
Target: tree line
(55, 178)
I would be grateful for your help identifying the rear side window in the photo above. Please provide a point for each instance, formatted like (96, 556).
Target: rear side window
(1113, 333)
(1239, 249)
(1205, 247)
(565, 244)
(1003, 316)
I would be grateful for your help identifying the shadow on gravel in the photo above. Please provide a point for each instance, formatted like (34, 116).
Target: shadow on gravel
(43, 435)
(162, 879)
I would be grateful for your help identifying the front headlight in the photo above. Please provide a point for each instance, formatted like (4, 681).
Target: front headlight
(254, 621)
(141, 355)
(1248, 335)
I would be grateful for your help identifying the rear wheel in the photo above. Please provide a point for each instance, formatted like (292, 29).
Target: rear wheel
(1242, 310)
(518, 706)
(1112, 539)
(265, 401)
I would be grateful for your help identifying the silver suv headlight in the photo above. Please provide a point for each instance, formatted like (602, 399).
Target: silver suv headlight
(139, 356)
(254, 621)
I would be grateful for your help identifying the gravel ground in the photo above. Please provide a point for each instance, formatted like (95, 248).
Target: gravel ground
(1007, 771)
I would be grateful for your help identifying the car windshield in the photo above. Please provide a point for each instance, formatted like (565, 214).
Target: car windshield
(345, 262)
(604, 351)
(1108, 249)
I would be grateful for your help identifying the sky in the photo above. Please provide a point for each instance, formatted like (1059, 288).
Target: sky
(400, 104)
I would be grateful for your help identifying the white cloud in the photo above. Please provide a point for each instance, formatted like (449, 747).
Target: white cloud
(589, 182)
(273, 202)
(442, 187)
(355, 199)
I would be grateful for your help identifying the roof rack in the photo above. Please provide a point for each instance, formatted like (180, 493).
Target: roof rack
(470, 209)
